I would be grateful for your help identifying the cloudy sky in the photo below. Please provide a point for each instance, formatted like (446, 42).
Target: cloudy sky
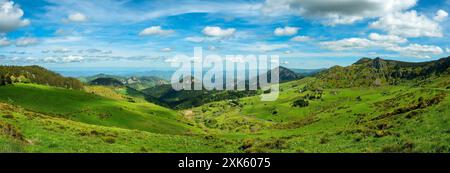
(148, 34)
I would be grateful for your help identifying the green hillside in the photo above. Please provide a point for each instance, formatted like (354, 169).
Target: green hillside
(87, 79)
(378, 119)
(344, 114)
(93, 109)
(380, 72)
(25, 131)
(106, 82)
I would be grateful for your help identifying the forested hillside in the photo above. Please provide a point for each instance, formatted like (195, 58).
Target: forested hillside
(36, 74)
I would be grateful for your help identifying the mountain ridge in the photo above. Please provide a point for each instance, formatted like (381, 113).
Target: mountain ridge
(378, 71)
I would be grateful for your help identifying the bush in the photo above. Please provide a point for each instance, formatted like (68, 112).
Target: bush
(109, 140)
(248, 143)
(324, 140)
(358, 98)
(357, 139)
(300, 103)
(211, 123)
(274, 112)
(9, 116)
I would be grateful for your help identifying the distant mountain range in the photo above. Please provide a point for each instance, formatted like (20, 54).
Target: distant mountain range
(365, 72)
(163, 74)
(188, 98)
(143, 82)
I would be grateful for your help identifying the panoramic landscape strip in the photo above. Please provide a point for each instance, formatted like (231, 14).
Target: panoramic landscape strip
(201, 76)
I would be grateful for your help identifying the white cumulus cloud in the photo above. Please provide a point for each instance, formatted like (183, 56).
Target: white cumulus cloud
(11, 16)
(77, 17)
(387, 38)
(72, 58)
(155, 30)
(386, 42)
(348, 44)
(215, 31)
(418, 51)
(441, 15)
(408, 24)
(374, 40)
(286, 31)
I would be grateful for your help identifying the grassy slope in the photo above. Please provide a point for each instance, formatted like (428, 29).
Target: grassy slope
(93, 109)
(25, 131)
(338, 122)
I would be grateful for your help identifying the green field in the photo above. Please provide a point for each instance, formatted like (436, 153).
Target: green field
(93, 109)
(25, 131)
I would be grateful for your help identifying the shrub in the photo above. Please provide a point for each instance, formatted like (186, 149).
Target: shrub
(143, 150)
(358, 98)
(109, 140)
(9, 116)
(248, 143)
(324, 140)
(357, 139)
(276, 144)
(211, 123)
(300, 103)
(274, 112)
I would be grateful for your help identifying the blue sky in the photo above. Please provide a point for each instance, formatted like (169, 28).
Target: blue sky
(308, 34)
